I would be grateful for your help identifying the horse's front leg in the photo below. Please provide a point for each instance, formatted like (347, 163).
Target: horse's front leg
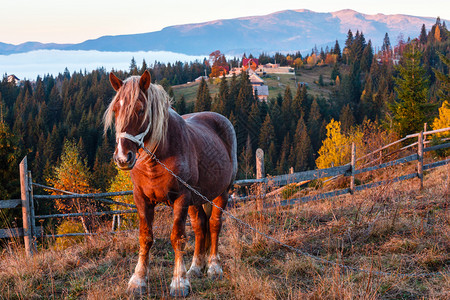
(138, 282)
(180, 285)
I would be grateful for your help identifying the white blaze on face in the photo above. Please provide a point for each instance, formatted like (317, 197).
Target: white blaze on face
(120, 153)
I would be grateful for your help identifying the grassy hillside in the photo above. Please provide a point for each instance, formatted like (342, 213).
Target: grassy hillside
(393, 228)
(276, 82)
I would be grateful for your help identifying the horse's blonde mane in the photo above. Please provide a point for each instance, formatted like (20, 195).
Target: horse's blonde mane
(157, 109)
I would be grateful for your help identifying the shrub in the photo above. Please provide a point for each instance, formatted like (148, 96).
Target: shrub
(68, 226)
(289, 190)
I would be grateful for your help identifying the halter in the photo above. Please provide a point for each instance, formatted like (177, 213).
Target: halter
(138, 139)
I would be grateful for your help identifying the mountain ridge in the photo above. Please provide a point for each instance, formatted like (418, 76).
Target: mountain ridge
(284, 31)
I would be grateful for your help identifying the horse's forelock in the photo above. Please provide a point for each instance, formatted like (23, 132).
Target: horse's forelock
(157, 103)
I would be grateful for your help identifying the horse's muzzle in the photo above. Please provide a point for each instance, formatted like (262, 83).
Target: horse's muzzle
(125, 162)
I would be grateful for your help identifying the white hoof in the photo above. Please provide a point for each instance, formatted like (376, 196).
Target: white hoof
(194, 271)
(215, 271)
(137, 285)
(180, 287)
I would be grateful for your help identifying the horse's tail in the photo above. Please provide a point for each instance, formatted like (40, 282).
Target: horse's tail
(207, 207)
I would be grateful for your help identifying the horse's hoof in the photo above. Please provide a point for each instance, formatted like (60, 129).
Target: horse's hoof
(136, 285)
(215, 271)
(194, 272)
(180, 287)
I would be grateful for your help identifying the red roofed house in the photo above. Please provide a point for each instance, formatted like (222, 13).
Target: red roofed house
(250, 63)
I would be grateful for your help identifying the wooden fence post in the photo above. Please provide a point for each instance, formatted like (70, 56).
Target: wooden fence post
(28, 230)
(259, 175)
(30, 196)
(420, 160)
(424, 137)
(353, 165)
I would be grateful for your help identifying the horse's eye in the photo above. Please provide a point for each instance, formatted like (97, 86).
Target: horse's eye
(141, 112)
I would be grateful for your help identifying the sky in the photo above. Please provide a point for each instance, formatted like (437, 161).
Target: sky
(69, 21)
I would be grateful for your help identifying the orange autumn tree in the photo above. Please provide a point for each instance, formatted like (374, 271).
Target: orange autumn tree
(218, 63)
(72, 174)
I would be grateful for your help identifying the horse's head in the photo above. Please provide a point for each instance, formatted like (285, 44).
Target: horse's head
(132, 116)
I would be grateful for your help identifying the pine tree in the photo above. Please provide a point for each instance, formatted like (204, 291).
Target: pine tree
(222, 101)
(270, 159)
(283, 162)
(203, 101)
(297, 103)
(267, 134)
(254, 125)
(10, 156)
(346, 118)
(245, 97)
(302, 147)
(335, 72)
(286, 110)
(423, 35)
(314, 123)
(367, 57)
(444, 80)
(133, 67)
(412, 109)
(386, 43)
(144, 67)
(348, 47)
(246, 166)
(180, 105)
(337, 50)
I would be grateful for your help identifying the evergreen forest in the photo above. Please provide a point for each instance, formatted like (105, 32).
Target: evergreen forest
(393, 91)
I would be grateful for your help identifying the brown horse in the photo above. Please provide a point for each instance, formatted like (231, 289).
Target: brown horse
(200, 148)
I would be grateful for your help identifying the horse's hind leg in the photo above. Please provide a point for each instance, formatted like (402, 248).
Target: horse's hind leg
(215, 225)
(180, 285)
(198, 221)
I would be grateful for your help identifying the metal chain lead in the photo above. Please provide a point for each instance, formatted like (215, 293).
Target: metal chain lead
(322, 260)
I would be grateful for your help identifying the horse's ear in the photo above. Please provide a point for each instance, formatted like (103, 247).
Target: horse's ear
(145, 81)
(115, 82)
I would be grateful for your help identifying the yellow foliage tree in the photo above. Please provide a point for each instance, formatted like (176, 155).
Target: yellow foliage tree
(335, 150)
(298, 62)
(122, 182)
(312, 59)
(72, 174)
(443, 121)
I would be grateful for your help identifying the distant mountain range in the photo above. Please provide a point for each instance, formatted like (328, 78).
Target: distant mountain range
(285, 31)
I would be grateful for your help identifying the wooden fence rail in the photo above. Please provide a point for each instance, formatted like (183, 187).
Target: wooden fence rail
(30, 231)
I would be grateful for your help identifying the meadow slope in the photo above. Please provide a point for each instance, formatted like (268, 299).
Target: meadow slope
(394, 228)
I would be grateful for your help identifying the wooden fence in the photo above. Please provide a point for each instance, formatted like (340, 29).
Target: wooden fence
(30, 231)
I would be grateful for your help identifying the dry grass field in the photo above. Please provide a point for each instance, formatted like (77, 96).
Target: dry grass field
(394, 228)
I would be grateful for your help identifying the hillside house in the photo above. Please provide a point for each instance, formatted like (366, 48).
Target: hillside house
(250, 64)
(259, 88)
(271, 66)
(13, 79)
(198, 79)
